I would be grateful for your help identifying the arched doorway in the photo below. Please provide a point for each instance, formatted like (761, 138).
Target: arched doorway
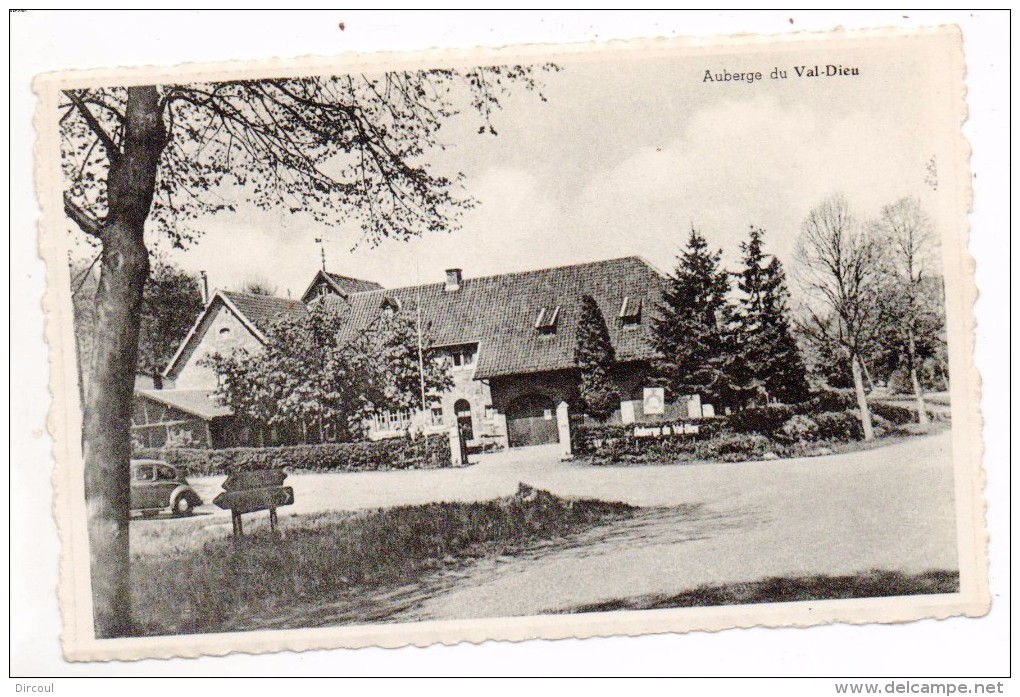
(531, 420)
(462, 408)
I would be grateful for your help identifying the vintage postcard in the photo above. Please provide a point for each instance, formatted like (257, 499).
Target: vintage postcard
(537, 342)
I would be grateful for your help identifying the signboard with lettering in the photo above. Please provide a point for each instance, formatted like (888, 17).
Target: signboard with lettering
(654, 402)
(256, 490)
(627, 412)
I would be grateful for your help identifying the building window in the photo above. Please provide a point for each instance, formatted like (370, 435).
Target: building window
(545, 323)
(490, 413)
(437, 414)
(224, 331)
(463, 356)
(630, 311)
(462, 408)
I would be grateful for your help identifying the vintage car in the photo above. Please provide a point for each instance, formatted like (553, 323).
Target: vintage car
(157, 486)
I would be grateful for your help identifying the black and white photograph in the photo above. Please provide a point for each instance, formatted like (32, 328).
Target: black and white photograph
(545, 342)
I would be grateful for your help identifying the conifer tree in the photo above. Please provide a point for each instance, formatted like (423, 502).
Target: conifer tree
(769, 364)
(692, 330)
(595, 357)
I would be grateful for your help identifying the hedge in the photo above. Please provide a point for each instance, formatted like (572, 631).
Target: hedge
(618, 442)
(893, 413)
(763, 420)
(394, 453)
(826, 401)
(762, 434)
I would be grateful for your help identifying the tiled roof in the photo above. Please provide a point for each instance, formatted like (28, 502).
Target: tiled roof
(263, 310)
(499, 313)
(197, 402)
(257, 312)
(352, 285)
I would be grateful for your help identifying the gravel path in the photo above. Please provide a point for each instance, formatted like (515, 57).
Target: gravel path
(890, 507)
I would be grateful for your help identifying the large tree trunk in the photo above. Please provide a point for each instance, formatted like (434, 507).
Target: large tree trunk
(125, 267)
(922, 410)
(862, 400)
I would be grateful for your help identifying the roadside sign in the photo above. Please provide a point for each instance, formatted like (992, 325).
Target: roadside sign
(256, 479)
(253, 500)
(627, 412)
(255, 490)
(655, 401)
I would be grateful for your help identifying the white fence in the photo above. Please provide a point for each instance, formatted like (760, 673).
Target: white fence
(394, 423)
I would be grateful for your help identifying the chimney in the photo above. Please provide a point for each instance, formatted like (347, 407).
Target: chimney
(205, 287)
(453, 279)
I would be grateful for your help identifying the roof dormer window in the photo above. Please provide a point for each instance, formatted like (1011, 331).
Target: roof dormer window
(630, 311)
(545, 323)
(390, 305)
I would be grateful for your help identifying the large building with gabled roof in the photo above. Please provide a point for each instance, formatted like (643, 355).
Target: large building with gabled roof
(510, 338)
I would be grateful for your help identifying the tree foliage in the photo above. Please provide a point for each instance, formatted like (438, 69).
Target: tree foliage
(911, 299)
(258, 285)
(171, 301)
(768, 360)
(692, 330)
(595, 357)
(158, 158)
(303, 375)
(397, 361)
(838, 270)
(338, 148)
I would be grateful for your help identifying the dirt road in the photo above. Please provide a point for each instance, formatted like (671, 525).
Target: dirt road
(889, 508)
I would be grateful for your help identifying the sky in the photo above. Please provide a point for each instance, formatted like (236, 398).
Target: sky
(626, 154)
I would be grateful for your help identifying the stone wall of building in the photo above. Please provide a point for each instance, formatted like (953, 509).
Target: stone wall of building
(487, 425)
(224, 333)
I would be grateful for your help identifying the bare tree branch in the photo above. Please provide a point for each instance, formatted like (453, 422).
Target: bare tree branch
(111, 147)
(88, 224)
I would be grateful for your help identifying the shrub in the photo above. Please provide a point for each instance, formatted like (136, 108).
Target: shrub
(618, 443)
(842, 426)
(734, 447)
(395, 453)
(800, 428)
(827, 401)
(763, 420)
(893, 414)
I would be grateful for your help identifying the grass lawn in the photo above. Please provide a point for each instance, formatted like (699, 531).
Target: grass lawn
(193, 579)
(872, 584)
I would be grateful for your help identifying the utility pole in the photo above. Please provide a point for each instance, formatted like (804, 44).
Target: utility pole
(322, 251)
(421, 353)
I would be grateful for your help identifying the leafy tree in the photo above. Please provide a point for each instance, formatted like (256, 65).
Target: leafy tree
(171, 301)
(158, 157)
(595, 357)
(823, 356)
(259, 285)
(769, 361)
(303, 375)
(910, 299)
(838, 269)
(299, 377)
(397, 366)
(692, 332)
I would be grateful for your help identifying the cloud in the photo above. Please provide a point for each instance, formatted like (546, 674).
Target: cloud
(749, 162)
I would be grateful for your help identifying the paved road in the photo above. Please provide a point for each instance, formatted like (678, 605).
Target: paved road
(890, 508)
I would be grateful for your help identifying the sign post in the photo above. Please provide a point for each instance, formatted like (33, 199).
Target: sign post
(456, 453)
(258, 490)
(654, 402)
(563, 425)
